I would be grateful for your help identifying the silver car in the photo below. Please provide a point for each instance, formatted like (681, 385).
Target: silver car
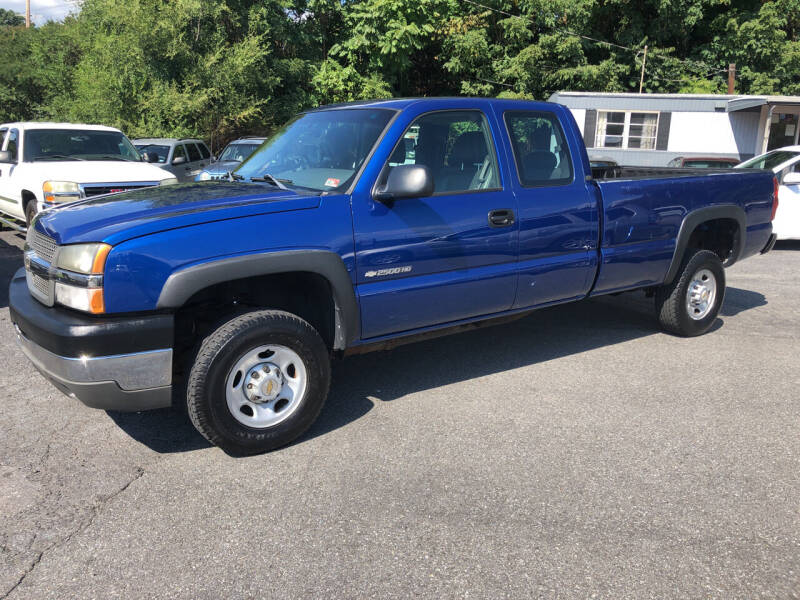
(183, 158)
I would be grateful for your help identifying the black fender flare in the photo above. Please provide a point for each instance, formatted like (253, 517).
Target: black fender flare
(183, 284)
(699, 216)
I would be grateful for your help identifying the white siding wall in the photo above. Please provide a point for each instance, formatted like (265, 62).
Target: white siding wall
(715, 133)
(580, 117)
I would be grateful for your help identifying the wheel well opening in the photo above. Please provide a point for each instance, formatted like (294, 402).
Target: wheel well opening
(27, 197)
(307, 295)
(720, 236)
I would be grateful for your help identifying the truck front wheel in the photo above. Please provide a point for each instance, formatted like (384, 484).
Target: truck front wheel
(689, 305)
(258, 382)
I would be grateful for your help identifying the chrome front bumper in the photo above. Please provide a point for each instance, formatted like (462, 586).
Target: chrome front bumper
(124, 382)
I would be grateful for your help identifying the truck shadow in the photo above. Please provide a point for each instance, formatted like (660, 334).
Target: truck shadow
(359, 382)
(10, 261)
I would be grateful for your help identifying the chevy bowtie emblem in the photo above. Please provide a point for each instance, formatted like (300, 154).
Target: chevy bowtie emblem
(385, 272)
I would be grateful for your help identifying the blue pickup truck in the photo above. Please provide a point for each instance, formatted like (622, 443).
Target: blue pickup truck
(355, 227)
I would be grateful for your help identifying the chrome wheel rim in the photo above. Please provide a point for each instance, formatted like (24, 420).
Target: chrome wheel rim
(265, 386)
(701, 294)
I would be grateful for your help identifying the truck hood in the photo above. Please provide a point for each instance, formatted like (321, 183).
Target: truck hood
(101, 171)
(115, 218)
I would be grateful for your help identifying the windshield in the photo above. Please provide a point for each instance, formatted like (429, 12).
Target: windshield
(238, 152)
(320, 151)
(76, 144)
(162, 152)
(770, 160)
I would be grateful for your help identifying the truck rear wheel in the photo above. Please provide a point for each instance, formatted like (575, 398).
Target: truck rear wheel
(258, 382)
(689, 305)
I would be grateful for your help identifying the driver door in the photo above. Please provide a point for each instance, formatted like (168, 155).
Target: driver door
(423, 262)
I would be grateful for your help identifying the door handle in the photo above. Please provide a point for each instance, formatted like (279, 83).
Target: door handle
(502, 217)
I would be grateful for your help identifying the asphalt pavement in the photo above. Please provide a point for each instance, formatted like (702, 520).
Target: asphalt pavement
(575, 453)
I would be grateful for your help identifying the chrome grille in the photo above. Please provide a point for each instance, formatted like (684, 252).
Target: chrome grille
(111, 188)
(41, 284)
(43, 245)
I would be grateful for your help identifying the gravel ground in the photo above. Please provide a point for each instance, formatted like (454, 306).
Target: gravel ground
(575, 453)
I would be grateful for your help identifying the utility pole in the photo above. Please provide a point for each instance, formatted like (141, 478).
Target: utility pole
(27, 13)
(641, 77)
(731, 77)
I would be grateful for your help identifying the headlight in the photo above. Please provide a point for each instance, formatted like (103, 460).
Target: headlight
(80, 298)
(83, 258)
(170, 181)
(204, 176)
(84, 290)
(61, 191)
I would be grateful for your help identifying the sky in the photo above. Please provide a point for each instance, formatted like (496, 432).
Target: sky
(42, 10)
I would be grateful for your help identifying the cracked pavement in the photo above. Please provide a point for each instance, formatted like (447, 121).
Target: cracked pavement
(575, 453)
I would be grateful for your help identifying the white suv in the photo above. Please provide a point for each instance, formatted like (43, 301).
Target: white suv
(44, 164)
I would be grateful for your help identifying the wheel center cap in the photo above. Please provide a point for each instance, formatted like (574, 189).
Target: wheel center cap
(263, 383)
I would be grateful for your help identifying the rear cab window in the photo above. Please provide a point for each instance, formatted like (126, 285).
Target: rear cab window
(541, 153)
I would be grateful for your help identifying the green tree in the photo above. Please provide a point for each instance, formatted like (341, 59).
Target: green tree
(8, 18)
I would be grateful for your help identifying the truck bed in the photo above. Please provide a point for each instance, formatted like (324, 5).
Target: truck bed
(620, 172)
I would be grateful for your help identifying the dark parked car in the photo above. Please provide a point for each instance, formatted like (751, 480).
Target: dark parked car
(234, 154)
(182, 157)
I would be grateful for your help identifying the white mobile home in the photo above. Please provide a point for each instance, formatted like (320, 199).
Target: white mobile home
(652, 129)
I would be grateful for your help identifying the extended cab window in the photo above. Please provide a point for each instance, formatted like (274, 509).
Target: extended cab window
(455, 146)
(540, 151)
(204, 150)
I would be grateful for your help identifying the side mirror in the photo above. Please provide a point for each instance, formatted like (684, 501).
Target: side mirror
(178, 160)
(5, 157)
(792, 178)
(406, 181)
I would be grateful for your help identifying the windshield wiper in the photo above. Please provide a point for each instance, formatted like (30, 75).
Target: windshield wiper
(271, 179)
(56, 157)
(234, 176)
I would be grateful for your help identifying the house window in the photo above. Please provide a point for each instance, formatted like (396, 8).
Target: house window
(626, 129)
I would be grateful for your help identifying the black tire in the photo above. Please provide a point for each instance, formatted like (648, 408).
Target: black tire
(672, 305)
(218, 354)
(30, 212)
